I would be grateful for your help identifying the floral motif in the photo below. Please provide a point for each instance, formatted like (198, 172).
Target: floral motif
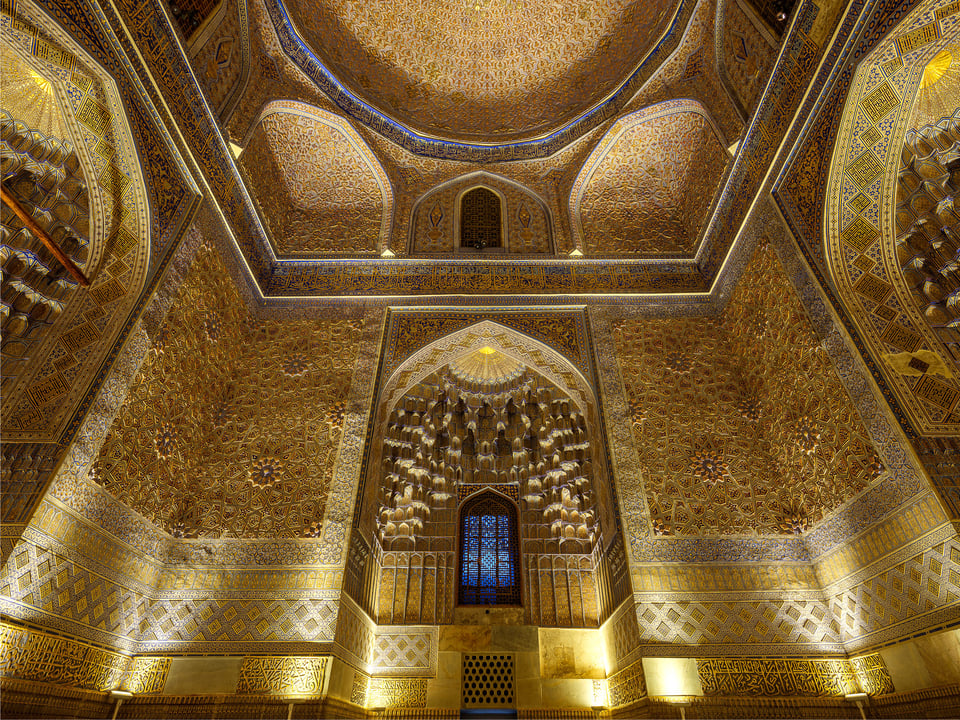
(165, 440)
(759, 323)
(749, 408)
(160, 341)
(808, 435)
(795, 520)
(213, 324)
(183, 529)
(638, 413)
(709, 467)
(875, 465)
(295, 364)
(312, 530)
(679, 362)
(265, 471)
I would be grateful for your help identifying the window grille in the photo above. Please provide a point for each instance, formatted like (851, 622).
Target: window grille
(488, 552)
(480, 219)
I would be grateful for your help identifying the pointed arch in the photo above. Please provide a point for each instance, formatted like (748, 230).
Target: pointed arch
(488, 557)
(526, 222)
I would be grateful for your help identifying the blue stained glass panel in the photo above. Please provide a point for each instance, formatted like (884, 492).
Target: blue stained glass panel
(488, 553)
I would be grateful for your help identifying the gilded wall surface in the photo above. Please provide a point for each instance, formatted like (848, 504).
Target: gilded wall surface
(648, 185)
(451, 72)
(434, 226)
(90, 195)
(318, 186)
(749, 51)
(741, 425)
(233, 424)
(220, 55)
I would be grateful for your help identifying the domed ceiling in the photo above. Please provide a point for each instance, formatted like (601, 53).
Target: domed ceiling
(482, 70)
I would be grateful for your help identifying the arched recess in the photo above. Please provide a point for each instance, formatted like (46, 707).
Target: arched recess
(487, 408)
(489, 551)
(648, 185)
(319, 187)
(868, 242)
(526, 224)
(65, 136)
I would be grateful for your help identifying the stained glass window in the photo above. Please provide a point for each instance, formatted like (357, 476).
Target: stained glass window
(480, 219)
(488, 553)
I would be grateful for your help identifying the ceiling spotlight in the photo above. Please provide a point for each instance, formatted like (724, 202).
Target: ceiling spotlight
(781, 16)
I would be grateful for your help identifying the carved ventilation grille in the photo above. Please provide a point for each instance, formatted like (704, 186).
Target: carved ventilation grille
(489, 567)
(928, 223)
(480, 219)
(455, 429)
(44, 176)
(487, 680)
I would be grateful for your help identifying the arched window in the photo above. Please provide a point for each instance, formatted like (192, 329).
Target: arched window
(489, 572)
(480, 223)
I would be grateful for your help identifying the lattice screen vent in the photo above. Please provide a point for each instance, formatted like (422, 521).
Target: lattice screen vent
(487, 680)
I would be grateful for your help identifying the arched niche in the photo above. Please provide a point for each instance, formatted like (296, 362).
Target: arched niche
(486, 409)
(318, 186)
(435, 223)
(881, 258)
(648, 185)
(67, 137)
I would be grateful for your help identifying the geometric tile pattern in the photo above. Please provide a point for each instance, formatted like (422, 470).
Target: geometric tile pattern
(179, 621)
(741, 424)
(394, 651)
(233, 425)
(927, 582)
(647, 186)
(755, 626)
(355, 634)
(318, 185)
(59, 586)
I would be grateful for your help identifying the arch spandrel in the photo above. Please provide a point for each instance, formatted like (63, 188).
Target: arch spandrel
(860, 221)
